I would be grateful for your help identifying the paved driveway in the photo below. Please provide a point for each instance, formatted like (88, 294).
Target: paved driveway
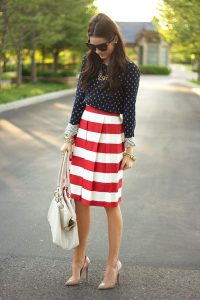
(160, 250)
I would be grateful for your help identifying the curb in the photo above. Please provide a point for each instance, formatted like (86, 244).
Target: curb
(194, 86)
(54, 95)
(36, 99)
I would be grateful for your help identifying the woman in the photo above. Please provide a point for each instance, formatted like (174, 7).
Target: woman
(100, 142)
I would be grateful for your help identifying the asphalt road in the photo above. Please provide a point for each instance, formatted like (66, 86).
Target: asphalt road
(160, 250)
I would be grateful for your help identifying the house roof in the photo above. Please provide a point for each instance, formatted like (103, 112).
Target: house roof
(130, 30)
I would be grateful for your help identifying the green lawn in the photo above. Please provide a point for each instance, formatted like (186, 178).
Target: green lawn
(196, 81)
(9, 94)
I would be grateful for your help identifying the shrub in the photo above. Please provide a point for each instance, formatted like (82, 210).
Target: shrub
(10, 68)
(26, 71)
(154, 69)
(67, 72)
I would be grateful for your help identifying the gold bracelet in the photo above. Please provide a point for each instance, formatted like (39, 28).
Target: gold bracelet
(133, 157)
(68, 138)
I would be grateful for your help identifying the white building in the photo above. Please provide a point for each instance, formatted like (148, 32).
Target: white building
(143, 36)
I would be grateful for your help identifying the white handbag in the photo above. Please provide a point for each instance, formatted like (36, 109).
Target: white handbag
(61, 214)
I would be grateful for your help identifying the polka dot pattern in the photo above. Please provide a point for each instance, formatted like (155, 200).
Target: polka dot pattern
(121, 101)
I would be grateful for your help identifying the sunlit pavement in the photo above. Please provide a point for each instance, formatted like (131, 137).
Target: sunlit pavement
(160, 204)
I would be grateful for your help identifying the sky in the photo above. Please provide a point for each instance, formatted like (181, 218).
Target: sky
(128, 10)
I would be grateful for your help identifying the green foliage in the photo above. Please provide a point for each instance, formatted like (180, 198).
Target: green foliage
(67, 72)
(131, 53)
(196, 81)
(26, 71)
(10, 68)
(29, 90)
(154, 69)
(179, 23)
(180, 54)
(48, 26)
(8, 75)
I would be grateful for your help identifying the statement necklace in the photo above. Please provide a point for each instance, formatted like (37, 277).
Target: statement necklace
(102, 77)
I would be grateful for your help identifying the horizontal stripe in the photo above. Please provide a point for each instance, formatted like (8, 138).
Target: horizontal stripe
(95, 195)
(95, 203)
(97, 157)
(99, 147)
(99, 127)
(81, 171)
(93, 166)
(95, 174)
(94, 185)
(99, 111)
(99, 118)
(100, 137)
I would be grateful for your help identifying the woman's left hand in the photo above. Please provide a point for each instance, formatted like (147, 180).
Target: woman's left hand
(126, 163)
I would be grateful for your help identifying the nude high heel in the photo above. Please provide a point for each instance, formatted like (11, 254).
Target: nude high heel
(85, 268)
(111, 284)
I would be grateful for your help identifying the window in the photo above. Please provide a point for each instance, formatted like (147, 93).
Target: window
(152, 54)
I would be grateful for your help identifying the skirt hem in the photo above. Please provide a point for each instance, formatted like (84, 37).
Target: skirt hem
(95, 203)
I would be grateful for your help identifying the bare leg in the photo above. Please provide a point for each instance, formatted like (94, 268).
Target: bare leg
(115, 227)
(83, 222)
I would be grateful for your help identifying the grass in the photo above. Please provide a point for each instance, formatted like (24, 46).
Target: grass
(8, 75)
(195, 81)
(13, 93)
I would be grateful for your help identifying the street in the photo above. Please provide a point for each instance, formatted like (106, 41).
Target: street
(160, 250)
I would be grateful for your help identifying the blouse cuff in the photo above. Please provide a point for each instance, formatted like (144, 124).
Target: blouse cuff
(129, 142)
(71, 129)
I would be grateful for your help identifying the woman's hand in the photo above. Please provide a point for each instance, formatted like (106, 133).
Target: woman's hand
(126, 163)
(67, 147)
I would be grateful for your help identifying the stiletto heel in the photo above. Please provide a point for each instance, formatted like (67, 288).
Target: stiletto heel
(118, 278)
(86, 274)
(108, 285)
(85, 269)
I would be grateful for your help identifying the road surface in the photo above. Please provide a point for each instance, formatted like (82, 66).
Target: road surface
(160, 250)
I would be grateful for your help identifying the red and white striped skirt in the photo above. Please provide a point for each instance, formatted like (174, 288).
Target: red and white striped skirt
(95, 174)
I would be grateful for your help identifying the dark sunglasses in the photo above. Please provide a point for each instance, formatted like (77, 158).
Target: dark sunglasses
(101, 47)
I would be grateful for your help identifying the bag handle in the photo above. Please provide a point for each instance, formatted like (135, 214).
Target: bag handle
(64, 176)
(67, 172)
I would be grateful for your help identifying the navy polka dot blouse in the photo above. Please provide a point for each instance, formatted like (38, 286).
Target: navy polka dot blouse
(121, 101)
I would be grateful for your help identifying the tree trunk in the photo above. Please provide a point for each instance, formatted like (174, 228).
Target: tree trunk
(19, 67)
(5, 60)
(198, 69)
(4, 30)
(55, 61)
(33, 64)
(43, 58)
(1, 71)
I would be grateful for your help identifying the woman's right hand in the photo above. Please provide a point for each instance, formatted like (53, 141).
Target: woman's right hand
(67, 147)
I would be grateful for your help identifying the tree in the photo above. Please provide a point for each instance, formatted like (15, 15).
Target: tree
(22, 23)
(66, 23)
(179, 24)
(50, 26)
(3, 30)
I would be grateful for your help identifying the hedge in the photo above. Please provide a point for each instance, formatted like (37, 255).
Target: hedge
(154, 69)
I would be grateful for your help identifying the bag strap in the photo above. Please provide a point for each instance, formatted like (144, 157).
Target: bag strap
(65, 182)
(67, 172)
(63, 176)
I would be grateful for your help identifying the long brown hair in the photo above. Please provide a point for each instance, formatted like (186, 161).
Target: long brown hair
(102, 26)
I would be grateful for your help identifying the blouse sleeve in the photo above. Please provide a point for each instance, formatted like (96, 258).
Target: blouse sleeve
(130, 87)
(78, 106)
